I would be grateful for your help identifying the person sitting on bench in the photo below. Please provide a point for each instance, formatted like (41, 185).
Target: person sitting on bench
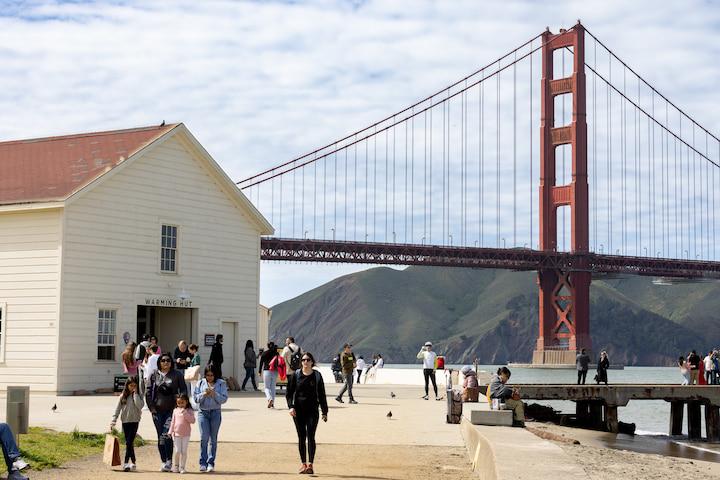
(511, 396)
(13, 460)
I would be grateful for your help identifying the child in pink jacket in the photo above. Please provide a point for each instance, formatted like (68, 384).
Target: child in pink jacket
(180, 426)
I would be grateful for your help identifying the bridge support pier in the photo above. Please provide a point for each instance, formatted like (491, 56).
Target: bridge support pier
(712, 423)
(611, 419)
(677, 410)
(694, 420)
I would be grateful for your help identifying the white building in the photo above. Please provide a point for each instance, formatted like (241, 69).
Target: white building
(106, 236)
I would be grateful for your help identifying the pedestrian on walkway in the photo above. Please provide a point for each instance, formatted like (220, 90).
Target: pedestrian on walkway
(582, 362)
(129, 409)
(428, 357)
(510, 396)
(347, 364)
(129, 364)
(210, 394)
(360, 367)
(709, 368)
(268, 370)
(684, 371)
(250, 364)
(602, 368)
(14, 462)
(194, 363)
(161, 394)
(180, 428)
(693, 363)
(216, 356)
(154, 341)
(305, 393)
(336, 368)
(292, 353)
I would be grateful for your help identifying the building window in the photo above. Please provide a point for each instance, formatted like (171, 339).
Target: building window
(168, 250)
(106, 334)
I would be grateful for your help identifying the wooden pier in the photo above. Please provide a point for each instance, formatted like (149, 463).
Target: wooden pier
(597, 404)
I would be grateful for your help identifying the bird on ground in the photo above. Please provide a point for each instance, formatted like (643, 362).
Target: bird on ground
(392, 394)
(163, 123)
(54, 408)
(389, 415)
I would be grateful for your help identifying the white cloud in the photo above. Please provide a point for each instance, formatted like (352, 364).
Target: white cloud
(261, 82)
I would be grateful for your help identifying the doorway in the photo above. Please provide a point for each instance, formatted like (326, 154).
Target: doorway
(168, 324)
(228, 366)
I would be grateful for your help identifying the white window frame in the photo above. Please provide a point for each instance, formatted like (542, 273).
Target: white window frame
(3, 330)
(176, 249)
(113, 333)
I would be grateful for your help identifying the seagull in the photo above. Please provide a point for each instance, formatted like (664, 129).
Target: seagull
(163, 123)
(392, 394)
(54, 408)
(389, 415)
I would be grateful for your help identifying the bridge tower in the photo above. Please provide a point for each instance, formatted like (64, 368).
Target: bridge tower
(564, 295)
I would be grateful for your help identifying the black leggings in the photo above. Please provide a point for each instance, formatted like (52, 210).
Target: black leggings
(429, 375)
(582, 374)
(306, 424)
(130, 431)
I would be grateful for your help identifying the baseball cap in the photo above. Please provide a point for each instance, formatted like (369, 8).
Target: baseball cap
(428, 344)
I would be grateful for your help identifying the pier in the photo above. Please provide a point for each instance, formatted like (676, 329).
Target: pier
(598, 404)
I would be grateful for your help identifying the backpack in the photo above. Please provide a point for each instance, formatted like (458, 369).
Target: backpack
(140, 351)
(295, 359)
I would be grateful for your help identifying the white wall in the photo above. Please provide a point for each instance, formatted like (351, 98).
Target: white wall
(112, 249)
(29, 289)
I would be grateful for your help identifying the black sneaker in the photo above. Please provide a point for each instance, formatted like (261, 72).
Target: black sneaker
(518, 423)
(353, 401)
(338, 399)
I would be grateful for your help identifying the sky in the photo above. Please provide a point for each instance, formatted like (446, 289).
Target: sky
(259, 83)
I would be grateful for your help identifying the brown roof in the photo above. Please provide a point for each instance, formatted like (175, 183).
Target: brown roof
(53, 168)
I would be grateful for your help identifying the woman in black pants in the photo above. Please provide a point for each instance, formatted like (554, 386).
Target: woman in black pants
(305, 393)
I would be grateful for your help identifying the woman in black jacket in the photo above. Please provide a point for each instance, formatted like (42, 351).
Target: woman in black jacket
(269, 373)
(216, 356)
(250, 364)
(164, 386)
(602, 368)
(305, 393)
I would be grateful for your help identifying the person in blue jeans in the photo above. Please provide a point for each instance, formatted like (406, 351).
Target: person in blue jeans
(13, 460)
(210, 393)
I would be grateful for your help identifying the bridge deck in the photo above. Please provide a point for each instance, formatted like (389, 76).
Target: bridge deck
(620, 395)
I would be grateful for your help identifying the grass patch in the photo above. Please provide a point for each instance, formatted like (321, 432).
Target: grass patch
(44, 448)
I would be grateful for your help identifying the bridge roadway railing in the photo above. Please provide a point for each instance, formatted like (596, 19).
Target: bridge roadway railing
(331, 251)
(598, 403)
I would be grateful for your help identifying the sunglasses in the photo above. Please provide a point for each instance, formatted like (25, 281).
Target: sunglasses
(306, 360)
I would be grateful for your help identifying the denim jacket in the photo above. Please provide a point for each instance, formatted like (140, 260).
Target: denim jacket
(206, 402)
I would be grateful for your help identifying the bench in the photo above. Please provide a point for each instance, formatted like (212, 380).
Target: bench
(492, 417)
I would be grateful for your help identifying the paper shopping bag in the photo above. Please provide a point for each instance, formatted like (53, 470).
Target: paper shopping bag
(111, 454)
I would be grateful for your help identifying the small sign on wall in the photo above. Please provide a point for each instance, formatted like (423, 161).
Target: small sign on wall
(209, 339)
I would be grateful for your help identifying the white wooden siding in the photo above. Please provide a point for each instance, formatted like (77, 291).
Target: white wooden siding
(30, 251)
(112, 255)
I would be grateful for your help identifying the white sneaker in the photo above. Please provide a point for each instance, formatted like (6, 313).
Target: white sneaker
(182, 470)
(210, 468)
(133, 467)
(126, 467)
(20, 464)
(165, 467)
(175, 469)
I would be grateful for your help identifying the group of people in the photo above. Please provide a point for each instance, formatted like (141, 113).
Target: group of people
(172, 389)
(582, 363)
(691, 366)
(362, 368)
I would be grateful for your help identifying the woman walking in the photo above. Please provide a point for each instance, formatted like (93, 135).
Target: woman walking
(209, 396)
(250, 365)
(305, 393)
(129, 363)
(163, 387)
(129, 409)
(602, 368)
(216, 356)
(268, 369)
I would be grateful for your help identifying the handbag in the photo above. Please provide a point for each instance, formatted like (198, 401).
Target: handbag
(111, 453)
(192, 373)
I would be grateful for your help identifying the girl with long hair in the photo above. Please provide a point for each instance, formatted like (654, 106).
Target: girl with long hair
(250, 364)
(270, 374)
(129, 363)
(129, 409)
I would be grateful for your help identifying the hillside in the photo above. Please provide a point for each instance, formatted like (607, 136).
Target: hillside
(491, 314)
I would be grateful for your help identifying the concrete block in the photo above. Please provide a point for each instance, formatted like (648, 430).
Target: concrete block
(492, 417)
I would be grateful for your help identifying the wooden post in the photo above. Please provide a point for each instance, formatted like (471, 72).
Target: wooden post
(677, 409)
(611, 414)
(712, 422)
(694, 420)
(596, 414)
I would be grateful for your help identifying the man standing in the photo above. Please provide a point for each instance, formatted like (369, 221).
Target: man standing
(582, 362)
(292, 353)
(709, 368)
(693, 361)
(348, 364)
(428, 357)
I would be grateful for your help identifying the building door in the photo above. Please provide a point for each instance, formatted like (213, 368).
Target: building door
(228, 366)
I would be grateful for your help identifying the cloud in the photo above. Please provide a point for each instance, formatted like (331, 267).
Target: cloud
(261, 82)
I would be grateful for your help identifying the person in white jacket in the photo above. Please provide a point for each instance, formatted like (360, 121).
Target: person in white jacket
(428, 358)
(360, 367)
